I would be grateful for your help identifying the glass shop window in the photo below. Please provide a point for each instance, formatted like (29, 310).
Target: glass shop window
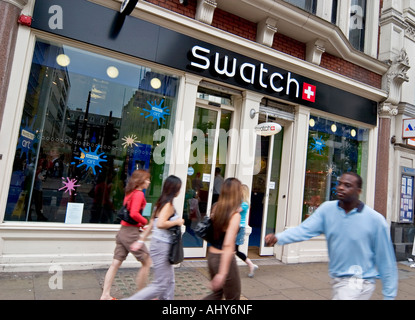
(88, 122)
(333, 148)
(358, 24)
(307, 5)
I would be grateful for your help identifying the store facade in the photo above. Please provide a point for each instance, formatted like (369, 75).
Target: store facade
(94, 99)
(397, 19)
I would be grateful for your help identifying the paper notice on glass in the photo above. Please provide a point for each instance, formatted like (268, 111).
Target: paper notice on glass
(206, 177)
(74, 213)
(147, 210)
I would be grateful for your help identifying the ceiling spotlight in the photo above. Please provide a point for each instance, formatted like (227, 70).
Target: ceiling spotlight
(112, 72)
(63, 60)
(155, 83)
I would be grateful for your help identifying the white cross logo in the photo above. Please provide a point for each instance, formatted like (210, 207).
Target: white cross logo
(309, 92)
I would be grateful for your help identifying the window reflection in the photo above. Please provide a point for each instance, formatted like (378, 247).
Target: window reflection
(88, 122)
(333, 148)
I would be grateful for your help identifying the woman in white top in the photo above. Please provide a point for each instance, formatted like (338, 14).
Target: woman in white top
(163, 218)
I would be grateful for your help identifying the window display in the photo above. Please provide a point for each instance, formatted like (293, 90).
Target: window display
(88, 122)
(333, 148)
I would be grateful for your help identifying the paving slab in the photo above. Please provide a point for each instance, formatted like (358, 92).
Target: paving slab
(272, 281)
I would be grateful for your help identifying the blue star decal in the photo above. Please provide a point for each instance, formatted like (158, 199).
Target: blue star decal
(156, 111)
(27, 139)
(318, 145)
(91, 159)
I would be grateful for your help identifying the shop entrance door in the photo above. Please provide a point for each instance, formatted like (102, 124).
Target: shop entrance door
(208, 153)
(266, 189)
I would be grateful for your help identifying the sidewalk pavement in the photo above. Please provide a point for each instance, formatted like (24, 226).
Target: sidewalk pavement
(273, 281)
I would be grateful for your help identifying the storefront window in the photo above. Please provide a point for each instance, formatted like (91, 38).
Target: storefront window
(88, 122)
(308, 5)
(333, 148)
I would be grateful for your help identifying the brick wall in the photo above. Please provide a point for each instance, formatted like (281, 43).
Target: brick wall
(174, 5)
(350, 70)
(246, 29)
(289, 46)
(233, 24)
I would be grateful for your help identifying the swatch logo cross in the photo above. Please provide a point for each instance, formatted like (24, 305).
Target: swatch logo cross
(309, 92)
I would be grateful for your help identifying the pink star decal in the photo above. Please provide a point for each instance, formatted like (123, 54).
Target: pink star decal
(69, 185)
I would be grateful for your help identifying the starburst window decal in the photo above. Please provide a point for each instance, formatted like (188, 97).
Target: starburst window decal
(157, 111)
(91, 159)
(69, 185)
(130, 141)
(331, 169)
(318, 145)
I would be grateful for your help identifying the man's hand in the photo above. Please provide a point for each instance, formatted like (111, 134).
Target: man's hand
(270, 240)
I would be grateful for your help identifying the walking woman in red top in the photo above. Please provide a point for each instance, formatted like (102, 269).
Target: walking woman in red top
(128, 234)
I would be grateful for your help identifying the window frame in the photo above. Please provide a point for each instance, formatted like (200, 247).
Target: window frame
(25, 83)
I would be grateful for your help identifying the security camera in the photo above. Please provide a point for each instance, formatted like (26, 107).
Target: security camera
(184, 2)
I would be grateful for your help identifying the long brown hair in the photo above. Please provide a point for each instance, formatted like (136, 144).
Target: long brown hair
(136, 180)
(229, 201)
(170, 189)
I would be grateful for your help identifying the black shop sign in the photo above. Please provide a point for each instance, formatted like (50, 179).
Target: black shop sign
(94, 24)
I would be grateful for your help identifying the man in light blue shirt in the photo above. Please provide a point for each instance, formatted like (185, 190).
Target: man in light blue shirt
(358, 240)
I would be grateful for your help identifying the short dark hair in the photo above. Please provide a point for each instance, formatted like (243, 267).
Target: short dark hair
(359, 178)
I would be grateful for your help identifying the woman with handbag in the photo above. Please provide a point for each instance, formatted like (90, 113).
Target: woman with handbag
(222, 265)
(135, 202)
(163, 218)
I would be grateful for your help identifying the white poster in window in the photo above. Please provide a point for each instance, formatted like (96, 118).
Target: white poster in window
(74, 213)
(206, 177)
(147, 210)
(272, 185)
